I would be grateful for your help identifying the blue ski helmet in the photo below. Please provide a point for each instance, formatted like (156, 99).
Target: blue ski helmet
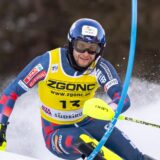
(88, 30)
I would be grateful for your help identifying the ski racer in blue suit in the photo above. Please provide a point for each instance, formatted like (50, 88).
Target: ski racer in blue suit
(66, 78)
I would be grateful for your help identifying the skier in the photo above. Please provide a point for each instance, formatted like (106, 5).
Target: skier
(66, 78)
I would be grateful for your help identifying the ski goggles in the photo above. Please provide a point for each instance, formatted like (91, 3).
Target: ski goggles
(82, 46)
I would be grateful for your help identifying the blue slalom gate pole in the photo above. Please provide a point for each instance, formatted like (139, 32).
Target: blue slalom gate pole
(126, 82)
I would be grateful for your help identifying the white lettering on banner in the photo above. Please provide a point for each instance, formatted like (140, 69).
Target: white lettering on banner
(107, 70)
(52, 140)
(23, 85)
(39, 76)
(60, 145)
(89, 30)
(33, 72)
(107, 126)
(62, 115)
(98, 72)
(109, 84)
(100, 76)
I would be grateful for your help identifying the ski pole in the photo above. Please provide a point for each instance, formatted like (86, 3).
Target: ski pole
(126, 82)
(140, 121)
(99, 109)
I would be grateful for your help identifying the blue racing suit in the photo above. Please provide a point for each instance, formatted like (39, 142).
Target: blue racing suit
(59, 138)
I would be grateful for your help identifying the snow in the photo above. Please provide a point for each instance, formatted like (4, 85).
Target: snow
(14, 156)
(24, 135)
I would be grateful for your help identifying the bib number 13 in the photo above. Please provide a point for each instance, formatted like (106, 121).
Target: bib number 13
(74, 103)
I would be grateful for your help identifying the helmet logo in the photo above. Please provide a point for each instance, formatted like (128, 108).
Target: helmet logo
(89, 31)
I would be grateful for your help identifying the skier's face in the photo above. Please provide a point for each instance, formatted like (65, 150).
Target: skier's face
(84, 53)
(83, 59)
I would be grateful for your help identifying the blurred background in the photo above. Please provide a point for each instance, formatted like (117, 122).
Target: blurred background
(29, 28)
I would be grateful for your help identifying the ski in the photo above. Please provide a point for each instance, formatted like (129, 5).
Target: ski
(86, 145)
